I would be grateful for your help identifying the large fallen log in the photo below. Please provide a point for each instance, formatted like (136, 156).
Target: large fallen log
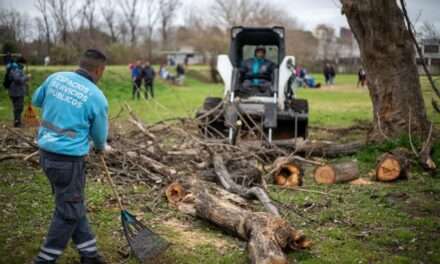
(268, 236)
(228, 183)
(392, 166)
(336, 173)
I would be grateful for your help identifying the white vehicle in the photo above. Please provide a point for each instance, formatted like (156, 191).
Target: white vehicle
(273, 116)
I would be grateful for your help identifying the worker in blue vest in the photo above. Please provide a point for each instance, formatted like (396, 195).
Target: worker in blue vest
(257, 75)
(74, 110)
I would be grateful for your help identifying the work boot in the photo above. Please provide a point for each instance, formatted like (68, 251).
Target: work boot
(98, 259)
(39, 261)
(17, 123)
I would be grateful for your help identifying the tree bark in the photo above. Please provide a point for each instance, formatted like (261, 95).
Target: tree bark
(268, 236)
(337, 173)
(388, 55)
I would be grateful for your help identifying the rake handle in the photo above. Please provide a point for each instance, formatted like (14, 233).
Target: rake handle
(110, 180)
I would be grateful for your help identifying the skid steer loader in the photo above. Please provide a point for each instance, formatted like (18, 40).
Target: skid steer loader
(277, 115)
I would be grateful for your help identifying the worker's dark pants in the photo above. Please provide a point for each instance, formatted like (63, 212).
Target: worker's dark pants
(17, 105)
(66, 175)
(137, 89)
(149, 88)
(249, 88)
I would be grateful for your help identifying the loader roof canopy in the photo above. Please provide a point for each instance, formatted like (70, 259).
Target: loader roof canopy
(241, 37)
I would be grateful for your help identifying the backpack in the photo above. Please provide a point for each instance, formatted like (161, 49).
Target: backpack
(6, 80)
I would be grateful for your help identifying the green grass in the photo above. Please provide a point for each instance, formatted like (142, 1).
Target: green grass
(379, 223)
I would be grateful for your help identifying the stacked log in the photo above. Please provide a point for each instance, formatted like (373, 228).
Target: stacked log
(337, 173)
(392, 166)
(287, 173)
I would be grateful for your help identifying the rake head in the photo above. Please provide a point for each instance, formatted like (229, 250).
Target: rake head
(145, 244)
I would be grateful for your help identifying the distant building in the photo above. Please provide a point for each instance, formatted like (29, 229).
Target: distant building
(184, 55)
(431, 53)
(342, 50)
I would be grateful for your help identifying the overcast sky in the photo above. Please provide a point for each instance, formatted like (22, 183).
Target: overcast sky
(308, 12)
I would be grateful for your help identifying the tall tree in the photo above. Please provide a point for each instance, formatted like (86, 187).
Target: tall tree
(43, 8)
(130, 10)
(109, 15)
(167, 10)
(152, 17)
(60, 11)
(388, 54)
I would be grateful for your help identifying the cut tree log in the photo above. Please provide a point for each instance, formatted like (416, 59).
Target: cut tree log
(287, 173)
(392, 166)
(268, 236)
(337, 173)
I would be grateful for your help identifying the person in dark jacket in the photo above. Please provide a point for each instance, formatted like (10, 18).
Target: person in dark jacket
(17, 90)
(362, 78)
(329, 74)
(180, 70)
(148, 75)
(256, 74)
(136, 77)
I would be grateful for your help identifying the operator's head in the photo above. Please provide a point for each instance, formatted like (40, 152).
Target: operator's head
(260, 52)
(138, 63)
(147, 63)
(93, 61)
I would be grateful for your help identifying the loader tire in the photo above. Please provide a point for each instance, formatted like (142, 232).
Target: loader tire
(300, 106)
(211, 103)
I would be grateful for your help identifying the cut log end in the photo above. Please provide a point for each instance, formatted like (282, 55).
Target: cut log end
(388, 170)
(287, 174)
(175, 193)
(325, 175)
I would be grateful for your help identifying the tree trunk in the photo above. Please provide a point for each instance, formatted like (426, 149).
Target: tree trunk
(268, 236)
(337, 173)
(388, 56)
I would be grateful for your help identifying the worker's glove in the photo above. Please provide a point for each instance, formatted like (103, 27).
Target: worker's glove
(106, 150)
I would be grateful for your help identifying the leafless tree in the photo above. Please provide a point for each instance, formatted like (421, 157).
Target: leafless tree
(15, 26)
(109, 15)
(60, 11)
(87, 14)
(152, 17)
(229, 13)
(429, 30)
(43, 8)
(167, 11)
(130, 11)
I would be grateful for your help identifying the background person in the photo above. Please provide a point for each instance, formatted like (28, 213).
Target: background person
(180, 70)
(73, 110)
(148, 76)
(17, 88)
(362, 78)
(136, 78)
(329, 74)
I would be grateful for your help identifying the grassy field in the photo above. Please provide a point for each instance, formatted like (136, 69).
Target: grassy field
(379, 223)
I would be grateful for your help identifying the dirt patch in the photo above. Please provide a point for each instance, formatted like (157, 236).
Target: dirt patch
(192, 238)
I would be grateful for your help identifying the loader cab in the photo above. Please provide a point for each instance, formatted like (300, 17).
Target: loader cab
(244, 41)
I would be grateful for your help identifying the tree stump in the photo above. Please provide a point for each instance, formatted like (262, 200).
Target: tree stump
(392, 166)
(287, 173)
(268, 236)
(337, 173)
